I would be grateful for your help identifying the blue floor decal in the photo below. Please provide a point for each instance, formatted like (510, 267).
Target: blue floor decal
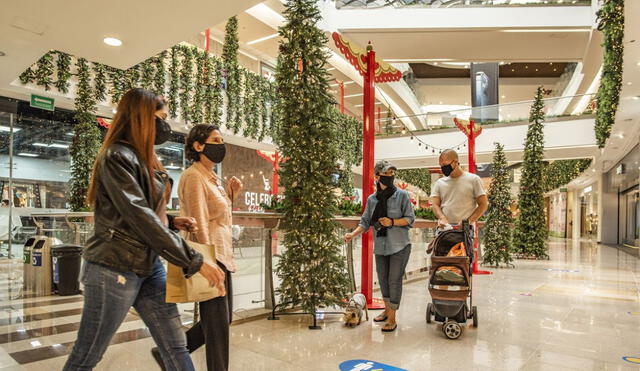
(364, 365)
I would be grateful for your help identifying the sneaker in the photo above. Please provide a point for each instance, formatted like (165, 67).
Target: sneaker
(155, 352)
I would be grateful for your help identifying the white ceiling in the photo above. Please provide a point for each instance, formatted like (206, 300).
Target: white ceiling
(29, 28)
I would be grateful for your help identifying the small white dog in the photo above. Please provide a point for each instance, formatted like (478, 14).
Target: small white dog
(353, 312)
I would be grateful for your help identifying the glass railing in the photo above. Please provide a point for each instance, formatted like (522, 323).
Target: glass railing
(555, 108)
(368, 4)
(257, 249)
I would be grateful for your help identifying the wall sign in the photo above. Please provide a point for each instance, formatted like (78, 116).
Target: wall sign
(38, 101)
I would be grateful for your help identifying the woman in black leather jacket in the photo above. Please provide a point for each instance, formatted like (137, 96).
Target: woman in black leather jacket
(129, 191)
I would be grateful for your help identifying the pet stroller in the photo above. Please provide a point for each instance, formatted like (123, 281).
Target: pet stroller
(450, 283)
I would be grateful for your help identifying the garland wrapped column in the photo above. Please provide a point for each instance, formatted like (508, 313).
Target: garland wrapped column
(312, 270)
(86, 140)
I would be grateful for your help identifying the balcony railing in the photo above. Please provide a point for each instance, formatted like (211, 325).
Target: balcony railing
(373, 4)
(554, 109)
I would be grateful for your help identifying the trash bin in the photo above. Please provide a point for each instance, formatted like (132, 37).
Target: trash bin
(66, 261)
(41, 258)
(27, 269)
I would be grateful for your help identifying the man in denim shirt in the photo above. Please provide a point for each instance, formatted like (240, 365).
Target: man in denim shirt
(390, 212)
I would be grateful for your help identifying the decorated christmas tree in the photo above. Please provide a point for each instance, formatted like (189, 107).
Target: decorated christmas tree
(531, 230)
(312, 270)
(497, 240)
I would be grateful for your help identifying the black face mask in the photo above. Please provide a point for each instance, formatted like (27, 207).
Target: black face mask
(215, 152)
(447, 169)
(387, 180)
(163, 131)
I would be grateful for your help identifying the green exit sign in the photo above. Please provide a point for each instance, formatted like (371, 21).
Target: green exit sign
(38, 101)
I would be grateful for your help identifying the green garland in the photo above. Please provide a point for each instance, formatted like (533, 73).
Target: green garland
(100, 81)
(498, 237)
(312, 269)
(200, 87)
(174, 81)
(531, 228)
(44, 73)
(63, 67)
(233, 75)
(420, 178)
(132, 77)
(86, 139)
(263, 98)
(186, 83)
(160, 74)
(349, 146)
(118, 84)
(251, 105)
(213, 95)
(611, 23)
(147, 74)
(561, 172)
(28, 76)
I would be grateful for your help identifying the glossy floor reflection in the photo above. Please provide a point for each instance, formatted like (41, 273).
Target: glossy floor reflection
(580, 310)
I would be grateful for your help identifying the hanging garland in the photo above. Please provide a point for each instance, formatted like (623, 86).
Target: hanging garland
(100, 81)
(147, 74)
(562, 172)
(63, 67)
(174, 82)
(611, 24)
(118, 84)
(86, 140)
(262, 98)
(420, 178)
(349, 146)
(251, 105)
(160, 74)
(44, 73)
(186, 83)
(27, 76)
(233, 75)
(200, 87)
(132, 77)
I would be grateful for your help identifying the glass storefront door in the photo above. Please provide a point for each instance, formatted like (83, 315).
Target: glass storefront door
(631, 232)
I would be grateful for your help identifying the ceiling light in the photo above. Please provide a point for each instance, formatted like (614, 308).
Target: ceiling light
(112, 41)
(262, 39)
(58, 145)
(629, 83)
(331, 69)
(27, 154)
(621, 136)
(636, 97)
(513, 70)
(8, 129)
(38, 144)
(503, 96)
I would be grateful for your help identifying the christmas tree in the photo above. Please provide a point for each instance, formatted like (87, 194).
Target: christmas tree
(312, 270)
(531, 229)
(497, 240)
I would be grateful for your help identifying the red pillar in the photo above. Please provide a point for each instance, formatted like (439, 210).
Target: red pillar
(341, 83)
(367, 170)
(207, 39)
(276, 160)
(472, 169)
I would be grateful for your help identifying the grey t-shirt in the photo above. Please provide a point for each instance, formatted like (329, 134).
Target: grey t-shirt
(458, 195)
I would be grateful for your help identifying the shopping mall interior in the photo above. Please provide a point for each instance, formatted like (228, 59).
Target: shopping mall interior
(539, 98)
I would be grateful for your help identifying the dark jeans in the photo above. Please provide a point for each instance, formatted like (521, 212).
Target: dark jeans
(108, 296)
(390, 270)
(213, 328)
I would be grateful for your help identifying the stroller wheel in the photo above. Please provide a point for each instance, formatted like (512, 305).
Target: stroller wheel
(452, 330)
(475, 316)
(429, 312)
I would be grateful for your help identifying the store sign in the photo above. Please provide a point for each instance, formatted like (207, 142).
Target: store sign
(38, 101)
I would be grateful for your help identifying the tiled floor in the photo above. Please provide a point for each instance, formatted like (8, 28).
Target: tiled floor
(580, 310)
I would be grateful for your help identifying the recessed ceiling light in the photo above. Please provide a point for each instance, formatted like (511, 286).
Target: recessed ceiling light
(8, 129)
(112, 41)
(27, 154)
(621, 136)
(636, 97)
(263, 39)
(629, 83)
(504, 96)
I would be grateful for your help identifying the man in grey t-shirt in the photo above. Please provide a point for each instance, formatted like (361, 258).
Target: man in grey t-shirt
(459, 194)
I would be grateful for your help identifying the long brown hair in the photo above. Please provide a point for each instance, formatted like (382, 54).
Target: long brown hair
(134, 123)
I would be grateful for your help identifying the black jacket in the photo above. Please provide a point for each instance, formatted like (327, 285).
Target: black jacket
(129, 236)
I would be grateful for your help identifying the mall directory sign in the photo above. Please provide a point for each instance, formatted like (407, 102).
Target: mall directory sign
(38, 101)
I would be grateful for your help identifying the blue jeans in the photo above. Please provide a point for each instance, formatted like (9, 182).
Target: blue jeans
(390, 270)
(108, 296)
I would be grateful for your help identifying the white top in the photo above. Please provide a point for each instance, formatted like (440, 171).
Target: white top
(458, 195)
